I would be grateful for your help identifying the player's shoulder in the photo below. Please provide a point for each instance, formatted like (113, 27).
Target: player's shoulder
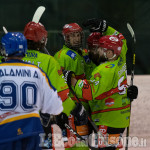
(33, 54)
(107, 67)
(66, 53)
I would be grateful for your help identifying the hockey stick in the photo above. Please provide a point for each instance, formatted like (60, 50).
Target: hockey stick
(38, 13)
(132, 77)
(89, 118)
(36, 18)
(5, 30)
(80, 137)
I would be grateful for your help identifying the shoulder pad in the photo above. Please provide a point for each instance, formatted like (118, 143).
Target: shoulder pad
(71, 54)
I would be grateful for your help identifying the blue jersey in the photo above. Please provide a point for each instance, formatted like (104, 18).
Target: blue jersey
(24, 90)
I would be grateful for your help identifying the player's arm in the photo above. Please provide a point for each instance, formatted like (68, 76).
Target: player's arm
(57, 79)
(51, 102)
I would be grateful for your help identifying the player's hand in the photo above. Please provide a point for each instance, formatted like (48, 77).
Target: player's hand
(132, 92)
(67, 76)
(45, 119)
(80, 115)
(96, 25)
(61, 120)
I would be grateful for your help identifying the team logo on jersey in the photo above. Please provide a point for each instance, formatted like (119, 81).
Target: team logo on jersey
(71, 54)
(109, 102)
(19, 132)
(110, 66)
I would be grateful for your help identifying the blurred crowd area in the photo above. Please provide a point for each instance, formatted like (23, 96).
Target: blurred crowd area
(14, 15)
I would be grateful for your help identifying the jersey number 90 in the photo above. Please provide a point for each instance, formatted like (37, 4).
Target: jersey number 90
(12, 95)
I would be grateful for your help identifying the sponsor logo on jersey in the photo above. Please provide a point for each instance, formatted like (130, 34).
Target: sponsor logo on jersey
(109, 102)
(110, 66)
(19, 132)
(120, 62)
(123, 69)
(71, 54)
(81, 84)
(31, 55)
(97, 75)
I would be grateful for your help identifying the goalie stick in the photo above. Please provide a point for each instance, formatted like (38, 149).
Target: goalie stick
(132, 77)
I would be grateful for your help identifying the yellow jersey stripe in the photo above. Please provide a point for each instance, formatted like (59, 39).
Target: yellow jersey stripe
(19, 118)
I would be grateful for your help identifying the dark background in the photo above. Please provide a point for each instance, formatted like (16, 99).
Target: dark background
(15, 14)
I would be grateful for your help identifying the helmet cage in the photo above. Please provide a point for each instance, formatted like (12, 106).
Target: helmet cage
(69, 29)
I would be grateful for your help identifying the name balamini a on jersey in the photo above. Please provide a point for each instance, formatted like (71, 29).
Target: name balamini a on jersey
(19, 73)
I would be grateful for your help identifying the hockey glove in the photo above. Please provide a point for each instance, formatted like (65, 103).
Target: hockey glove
(80, 115)
(45, 119)
(67, 76)
(61, 120)
(96, 25)
(132, 92)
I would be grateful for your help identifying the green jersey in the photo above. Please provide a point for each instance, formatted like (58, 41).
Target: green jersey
(53, 70)
(80, 64)
(70, 59)
(107, 92)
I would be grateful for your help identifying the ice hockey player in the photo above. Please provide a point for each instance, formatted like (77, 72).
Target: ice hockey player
(25, 90)
(73, 57)
(36, 36)
(107, 88)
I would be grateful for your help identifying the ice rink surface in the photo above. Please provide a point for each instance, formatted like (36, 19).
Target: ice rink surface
(140, 115)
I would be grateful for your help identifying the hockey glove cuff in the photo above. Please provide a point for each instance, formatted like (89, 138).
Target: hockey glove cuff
(80, 115)
(45, 119)
(132, 92)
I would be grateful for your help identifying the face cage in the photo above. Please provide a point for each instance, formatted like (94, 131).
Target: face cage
(76, 47)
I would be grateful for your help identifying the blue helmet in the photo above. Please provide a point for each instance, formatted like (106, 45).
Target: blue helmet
(14, 44)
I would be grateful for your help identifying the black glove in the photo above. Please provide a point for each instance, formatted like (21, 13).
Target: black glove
(80, 115)
(61, 120)
(96, 25)
(67, 76)
(45, 119)
(132, 92)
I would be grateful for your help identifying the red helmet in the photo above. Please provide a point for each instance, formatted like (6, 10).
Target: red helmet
(72, 27)
(111, 42)
(93, 40)
(35, 32)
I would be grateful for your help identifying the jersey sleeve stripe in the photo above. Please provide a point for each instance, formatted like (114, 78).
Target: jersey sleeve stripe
(111, 109)
(19, 118)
